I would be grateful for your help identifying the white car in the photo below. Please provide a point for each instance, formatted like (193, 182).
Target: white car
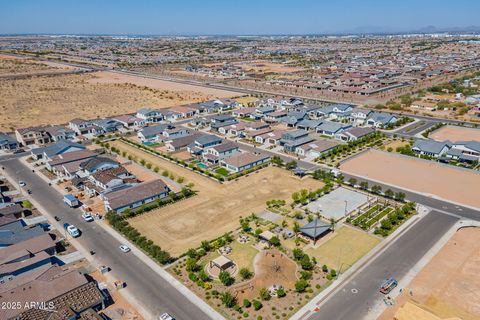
(74, 232)
(166, 316)
(124, 248)
(22, 183)
(87, 217)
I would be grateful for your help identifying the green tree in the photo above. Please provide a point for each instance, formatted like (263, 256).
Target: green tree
(291, 165)
(245, 273)
(225, 278)
(301, 285)
(281, 292)
(264, 294)
(228, 299)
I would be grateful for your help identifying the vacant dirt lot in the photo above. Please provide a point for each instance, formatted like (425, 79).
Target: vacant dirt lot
(58, 99)
(448, 284)
(455, 133)
(217, 207)
(110, 77)
(13, 65)
(428, 177)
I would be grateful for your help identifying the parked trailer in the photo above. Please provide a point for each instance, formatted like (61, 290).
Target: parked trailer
(70, 200)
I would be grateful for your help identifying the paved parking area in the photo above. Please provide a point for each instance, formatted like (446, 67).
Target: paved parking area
(338, 203)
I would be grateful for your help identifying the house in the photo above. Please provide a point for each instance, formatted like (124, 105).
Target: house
(32, 136)
(292, 139)
(149, 115)
(183, 111)
(315, 229)
(175, 133)
(314, 112)
(330, 128)
(220, 151)
(182, 142)
(55, 149)
(96, 164)
(236, 129)
(109, 179)
(8, 142)
(18, 231)
(264, 110)
(221, 120)
(80, 126)
(57, 133)
(244, 112)
(271, 137)
(243, 161)
(15, 211)
(135, 196)
(431, 148)
(309, 125)
(154, 133)
(60, 288)
(104, 126)
(129, 121)
(212, 106)
(316, 148)
(293, 118)
(380, 119)
(203, 142)
(26, 256)
(353, 134)
(360, 115)
(465, 151)
(276, 116)
(57, 162)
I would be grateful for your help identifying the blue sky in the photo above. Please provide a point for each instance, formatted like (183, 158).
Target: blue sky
(230, 16)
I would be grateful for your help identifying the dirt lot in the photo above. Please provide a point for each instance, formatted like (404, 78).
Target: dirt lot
(217, 207)
(13, 66)
(455, 133)
(448, 285)
(428, 177)
(58, 99)
(209, 93)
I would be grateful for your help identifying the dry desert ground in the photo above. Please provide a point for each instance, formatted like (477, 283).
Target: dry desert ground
(107, 77)
(448, 284)
(10, 65)
(57, 99)
(424, 176)
(455, 133)
(216, 208)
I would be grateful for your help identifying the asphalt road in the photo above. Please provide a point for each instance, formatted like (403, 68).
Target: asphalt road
(157, 295)
(353, 300)
(415, 128)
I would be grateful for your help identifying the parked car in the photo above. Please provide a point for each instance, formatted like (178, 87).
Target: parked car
(18, 151)
(124, 248)
(71, 229)
(388, 285)
(166, 316)
(87, 217)
(22, 183)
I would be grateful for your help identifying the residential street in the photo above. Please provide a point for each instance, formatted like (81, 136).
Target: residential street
(156, 294)
(360, 293)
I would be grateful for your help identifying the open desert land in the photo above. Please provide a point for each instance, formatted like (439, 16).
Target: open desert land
(425, 176)
(216, 208)
(448, 285)
(52, 100)
(107, 77)
(10, 65)
(455, 133)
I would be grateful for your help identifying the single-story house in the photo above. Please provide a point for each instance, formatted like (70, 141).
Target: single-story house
(8, 142)
(243, 161)
(380, 119)
(135, 196)
(431, 148)
(355, 133)
(330, 128)
(96, 164)
(55, 149)
(153, 133)
(18, 231)
(316, 148)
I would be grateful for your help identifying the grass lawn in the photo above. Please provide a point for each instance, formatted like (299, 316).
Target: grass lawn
(242, 255)
(222, 171)
(344, 249)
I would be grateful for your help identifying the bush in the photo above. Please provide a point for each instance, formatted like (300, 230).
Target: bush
(247, 303)
(301, 285)
(228, 299)
(324, 268)
(245, 273)
(225, 278)
(281, 293)
(264, 294)
(257, 305)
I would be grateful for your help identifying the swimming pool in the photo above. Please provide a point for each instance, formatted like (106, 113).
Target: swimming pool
(202, 165)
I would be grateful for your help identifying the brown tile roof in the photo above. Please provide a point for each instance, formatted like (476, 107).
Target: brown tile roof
(244, 159)
(72, 156)
(33, 245)
(105, 176)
